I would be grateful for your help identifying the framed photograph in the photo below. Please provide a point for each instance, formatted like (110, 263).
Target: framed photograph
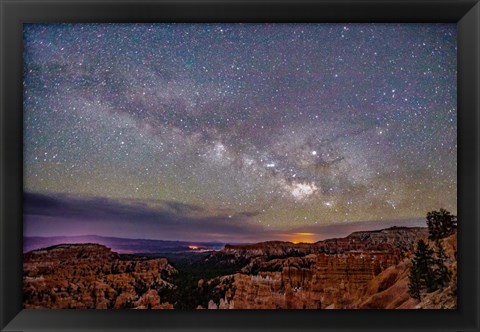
(247, 165)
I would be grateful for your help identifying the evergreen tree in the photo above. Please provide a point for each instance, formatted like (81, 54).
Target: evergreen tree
(424, 261)
(415, 282)
(440, 224)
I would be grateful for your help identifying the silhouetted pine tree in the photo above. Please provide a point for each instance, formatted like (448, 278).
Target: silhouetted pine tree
(415, 282)
(424, 261)
(440, 224)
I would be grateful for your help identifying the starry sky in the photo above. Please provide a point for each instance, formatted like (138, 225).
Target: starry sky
(237, 132)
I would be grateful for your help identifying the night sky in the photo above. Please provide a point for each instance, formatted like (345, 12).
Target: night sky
(237, 132)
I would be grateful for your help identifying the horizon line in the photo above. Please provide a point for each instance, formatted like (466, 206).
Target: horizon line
(219, 241)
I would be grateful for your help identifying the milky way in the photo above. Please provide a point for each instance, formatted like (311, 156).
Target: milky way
(243, 128)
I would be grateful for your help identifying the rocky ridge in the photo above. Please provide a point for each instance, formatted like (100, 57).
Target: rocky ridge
(399, 239)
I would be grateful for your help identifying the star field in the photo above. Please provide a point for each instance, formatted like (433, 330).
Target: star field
(272, 127)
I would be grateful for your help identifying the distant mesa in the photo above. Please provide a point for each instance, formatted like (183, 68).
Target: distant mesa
(120, 245)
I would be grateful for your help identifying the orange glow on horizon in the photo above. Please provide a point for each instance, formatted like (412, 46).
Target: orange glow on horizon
(302, 238)
(193, 247)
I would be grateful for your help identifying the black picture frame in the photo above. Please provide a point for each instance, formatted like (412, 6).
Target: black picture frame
(466, 13)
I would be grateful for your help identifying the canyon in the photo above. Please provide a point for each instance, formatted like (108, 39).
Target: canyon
(365, 270)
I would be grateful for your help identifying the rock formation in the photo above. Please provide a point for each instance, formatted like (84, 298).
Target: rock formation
(363, 270)
(92, 276)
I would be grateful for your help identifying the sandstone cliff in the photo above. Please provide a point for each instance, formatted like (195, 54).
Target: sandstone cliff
(92, 276)
(363, 270)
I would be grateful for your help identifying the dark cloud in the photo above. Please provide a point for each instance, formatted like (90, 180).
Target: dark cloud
(182, 208)
(168, 219)
(54, 215)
